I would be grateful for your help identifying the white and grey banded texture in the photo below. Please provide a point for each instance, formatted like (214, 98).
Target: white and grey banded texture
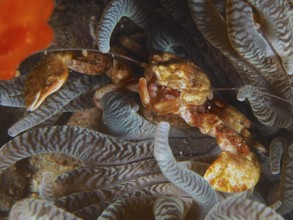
(122, 119)
(38, 209)
(92, 212)
(92, 148)
(13, 101)
(155, 190)
(47, 188)
(170, 36)
(169, 207)
(210, 23)
(91, 178)
(277, 113)
(242, 209)
(261, 55)
(277, 27)
(56, 102)
(12, 87)
(80, 200)
(11, 92)
(285, 191)
(136, 10)
(188, 181)
(277, 149)
(129, 208)
(251, 45)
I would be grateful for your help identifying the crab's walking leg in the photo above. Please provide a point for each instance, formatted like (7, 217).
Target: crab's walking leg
(236, 155)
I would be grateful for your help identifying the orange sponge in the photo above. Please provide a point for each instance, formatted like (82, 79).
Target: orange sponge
(23, 30)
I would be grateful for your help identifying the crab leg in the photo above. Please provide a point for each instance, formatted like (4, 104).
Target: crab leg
(236, 155)
(236, 121)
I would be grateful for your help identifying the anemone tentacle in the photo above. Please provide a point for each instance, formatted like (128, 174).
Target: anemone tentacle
(90, 178)
(169, 208)
(286, 183)
(275, 18)
(79, 143)
(210, 23)
(136, 10)
(122, 120)
(38, 209)
(12, 87)
(187, 180)
(235, 208)
(269, 110)
(277, 148)
(247, 41)
(77, 201)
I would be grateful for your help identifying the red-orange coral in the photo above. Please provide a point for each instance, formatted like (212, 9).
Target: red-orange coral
(23, 30)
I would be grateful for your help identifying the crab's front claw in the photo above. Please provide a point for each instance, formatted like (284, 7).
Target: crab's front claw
(96, 63)
(89, 63)
(233, 173)
(45, 78)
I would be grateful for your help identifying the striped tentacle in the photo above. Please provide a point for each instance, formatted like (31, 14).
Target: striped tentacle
(169, 207)
(129, 208)
(236, 208)
(265, 164)
(11, 92)
(157, 190)
(80, 103)
(247, 41)
(13, 101)
(220, 5)
(12, 87)
(277, 148)
(277, 27)
(269, 110)
(190, 182)
(276, 205)
(47, 189)
(91, 147)
(153, 190)
(170, 36)
(136, 10)
(38, 209)
(50, 121)
(211, 23)
(286, 183)
(122, 120)
(92, 211)
(88, 178)
(78, 201)
(56, 102)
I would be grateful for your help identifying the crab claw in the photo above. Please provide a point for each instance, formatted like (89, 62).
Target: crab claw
(233, 173)
(44, 79)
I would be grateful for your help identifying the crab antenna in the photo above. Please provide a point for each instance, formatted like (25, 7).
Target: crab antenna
(141, 64)
(268, 94)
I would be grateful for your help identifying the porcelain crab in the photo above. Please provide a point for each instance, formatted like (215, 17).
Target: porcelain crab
(174, 85)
